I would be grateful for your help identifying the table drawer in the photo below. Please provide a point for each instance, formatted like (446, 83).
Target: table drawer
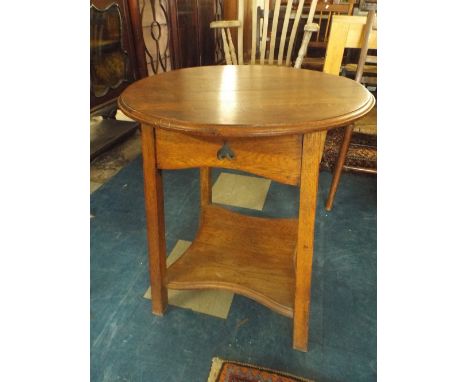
(276, 158)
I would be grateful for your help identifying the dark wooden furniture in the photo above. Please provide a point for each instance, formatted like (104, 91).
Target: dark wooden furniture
(108, 132)
(267, 120)
(112, 52)
(191, 40)
(112, 69)
(324, 13)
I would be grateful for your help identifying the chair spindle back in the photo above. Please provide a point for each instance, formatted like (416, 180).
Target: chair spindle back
(265, 31)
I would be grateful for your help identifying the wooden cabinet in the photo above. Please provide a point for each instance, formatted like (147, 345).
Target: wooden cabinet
(112, 69)
(112, 54)
(131, 39)
(192, 40)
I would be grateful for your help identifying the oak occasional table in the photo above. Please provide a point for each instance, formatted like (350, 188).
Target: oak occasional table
(267, 120)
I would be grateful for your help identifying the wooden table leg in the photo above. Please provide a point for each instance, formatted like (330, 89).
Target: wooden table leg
(312, 149)
(205, 186)
(154, 204)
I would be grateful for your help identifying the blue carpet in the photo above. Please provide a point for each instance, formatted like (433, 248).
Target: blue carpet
(129, 343)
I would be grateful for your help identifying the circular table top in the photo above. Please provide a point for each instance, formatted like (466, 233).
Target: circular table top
(245, 100)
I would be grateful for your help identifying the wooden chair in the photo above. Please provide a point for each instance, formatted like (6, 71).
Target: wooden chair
(265, 38)
(324, 13)
(368, 65)
(350, 32)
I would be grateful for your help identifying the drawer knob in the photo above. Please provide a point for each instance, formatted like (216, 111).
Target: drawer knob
(225, 152)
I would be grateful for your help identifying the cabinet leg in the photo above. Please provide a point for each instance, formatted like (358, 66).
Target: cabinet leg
(154, 204)
(339, 167)
(312, 149)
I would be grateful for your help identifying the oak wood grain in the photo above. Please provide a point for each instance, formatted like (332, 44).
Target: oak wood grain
(247, 255)
(277, 158)
(155, 229)
(311, 155)
(272, 121)
(205, 186)
(245, 101)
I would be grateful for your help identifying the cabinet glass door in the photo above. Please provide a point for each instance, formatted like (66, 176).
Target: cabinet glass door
(109, 60)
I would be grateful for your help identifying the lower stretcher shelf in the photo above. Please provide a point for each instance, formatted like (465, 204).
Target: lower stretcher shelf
(248, 255)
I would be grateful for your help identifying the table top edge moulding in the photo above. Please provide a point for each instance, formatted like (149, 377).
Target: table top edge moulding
(216, 101)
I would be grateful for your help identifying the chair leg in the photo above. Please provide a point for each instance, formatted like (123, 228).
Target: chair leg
(339, 167)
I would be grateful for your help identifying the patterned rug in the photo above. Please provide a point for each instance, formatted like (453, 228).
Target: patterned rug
(230, 371)
(362, 151)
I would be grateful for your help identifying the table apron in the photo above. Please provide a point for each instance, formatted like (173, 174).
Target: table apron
(277, 158)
